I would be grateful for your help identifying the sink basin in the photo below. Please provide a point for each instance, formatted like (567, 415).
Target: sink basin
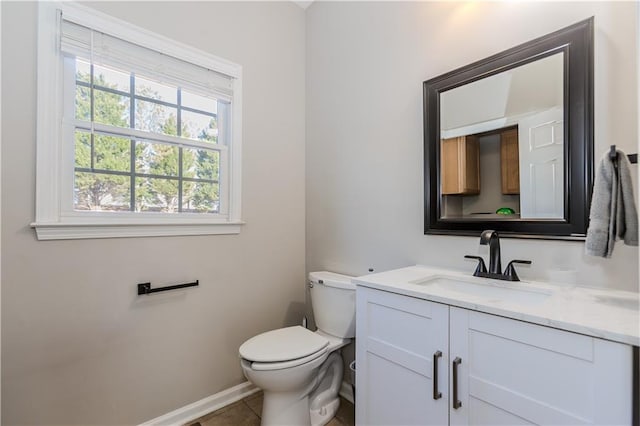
(486, 289)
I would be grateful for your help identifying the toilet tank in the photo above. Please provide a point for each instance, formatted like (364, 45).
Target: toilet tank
(333, 299)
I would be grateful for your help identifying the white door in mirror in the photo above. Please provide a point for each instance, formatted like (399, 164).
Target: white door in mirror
(541, 165)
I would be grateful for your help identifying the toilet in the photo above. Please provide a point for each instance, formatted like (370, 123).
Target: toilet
(300, 371)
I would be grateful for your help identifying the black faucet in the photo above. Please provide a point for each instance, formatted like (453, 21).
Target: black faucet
(491, 238)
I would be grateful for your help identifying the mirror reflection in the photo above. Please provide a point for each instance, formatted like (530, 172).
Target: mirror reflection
(502, 145)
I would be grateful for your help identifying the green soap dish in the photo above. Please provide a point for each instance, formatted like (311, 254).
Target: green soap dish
(505, 210)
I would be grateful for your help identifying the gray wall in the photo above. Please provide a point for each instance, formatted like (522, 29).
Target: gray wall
(79, 347)
(366, 62)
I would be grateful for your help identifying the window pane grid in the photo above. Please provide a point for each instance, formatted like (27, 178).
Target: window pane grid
(179, 131)
(210, 114)
(103, 88)
(93, 150)
(197, 192)
(178, 105)
(107, 92)
(132, 153)
(144, 175)
(141, 136)
(133, 95)
(133, 178)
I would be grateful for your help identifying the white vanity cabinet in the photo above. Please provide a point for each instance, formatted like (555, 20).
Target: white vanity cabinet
(398, 338)
(489, 370)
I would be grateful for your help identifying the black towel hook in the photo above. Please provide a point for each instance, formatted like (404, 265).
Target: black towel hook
(613, 155)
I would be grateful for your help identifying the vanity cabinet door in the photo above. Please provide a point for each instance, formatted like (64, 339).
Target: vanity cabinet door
(512, 372)
(398, 340)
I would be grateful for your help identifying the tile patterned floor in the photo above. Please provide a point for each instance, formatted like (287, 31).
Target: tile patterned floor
(246, 412)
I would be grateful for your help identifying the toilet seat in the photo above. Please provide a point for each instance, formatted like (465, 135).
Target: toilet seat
(289, 344)
(268, 366)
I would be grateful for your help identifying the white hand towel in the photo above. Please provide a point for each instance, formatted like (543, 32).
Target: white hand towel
(613, 210)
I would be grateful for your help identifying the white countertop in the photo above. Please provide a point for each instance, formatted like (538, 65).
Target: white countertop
(607, 314)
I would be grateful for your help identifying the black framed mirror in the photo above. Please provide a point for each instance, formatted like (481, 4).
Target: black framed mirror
(508, 141)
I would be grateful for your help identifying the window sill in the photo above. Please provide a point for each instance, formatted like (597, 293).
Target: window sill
(78, 231)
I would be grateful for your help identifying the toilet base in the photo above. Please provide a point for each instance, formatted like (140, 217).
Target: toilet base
(323, 415)
(284, 409)
(285, 392)
(306, 395)
(324, 401)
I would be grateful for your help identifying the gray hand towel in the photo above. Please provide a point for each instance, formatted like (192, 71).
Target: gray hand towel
(613, 209)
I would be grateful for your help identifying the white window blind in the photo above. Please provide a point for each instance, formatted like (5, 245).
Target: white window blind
(103, 49)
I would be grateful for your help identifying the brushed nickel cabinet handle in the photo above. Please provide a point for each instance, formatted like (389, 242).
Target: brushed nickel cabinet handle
(436, 393)
(456, 402)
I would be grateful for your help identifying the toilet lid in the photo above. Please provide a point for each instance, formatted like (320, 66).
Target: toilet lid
(283, 344)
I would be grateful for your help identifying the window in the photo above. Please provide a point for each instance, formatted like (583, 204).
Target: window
(137, 135)
(141, 145)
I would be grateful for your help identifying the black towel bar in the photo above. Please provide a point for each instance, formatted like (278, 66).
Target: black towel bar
(145, 288)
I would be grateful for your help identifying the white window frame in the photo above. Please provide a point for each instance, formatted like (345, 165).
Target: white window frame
(55, 218)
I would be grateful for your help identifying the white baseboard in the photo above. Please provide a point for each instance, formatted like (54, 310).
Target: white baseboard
(346, 391)
(221, 399)
(204, 406)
